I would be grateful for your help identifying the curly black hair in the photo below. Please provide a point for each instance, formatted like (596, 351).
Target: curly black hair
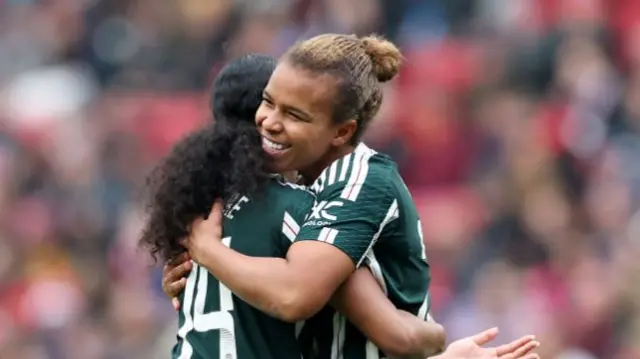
(218, 161)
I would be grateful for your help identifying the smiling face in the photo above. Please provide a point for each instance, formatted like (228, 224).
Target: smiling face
(296, 123)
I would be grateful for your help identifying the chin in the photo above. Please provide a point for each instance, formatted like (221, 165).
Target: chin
(280, 167)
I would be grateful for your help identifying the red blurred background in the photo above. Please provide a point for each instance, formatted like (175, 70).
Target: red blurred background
(516, 124)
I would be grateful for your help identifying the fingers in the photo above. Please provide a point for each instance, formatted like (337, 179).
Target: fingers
(179, 259)
(176, 303)
(516, 346)
(214, 220)
(523, 351)
(173, 278)
(207, 227)
(211, 227)
(485, 337)
(173, 274)
(173, 289)
(215, 216)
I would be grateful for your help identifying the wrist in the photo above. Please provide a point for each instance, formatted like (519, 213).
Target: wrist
(210, 253)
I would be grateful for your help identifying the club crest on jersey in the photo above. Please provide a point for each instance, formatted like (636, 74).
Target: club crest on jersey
(234, 205)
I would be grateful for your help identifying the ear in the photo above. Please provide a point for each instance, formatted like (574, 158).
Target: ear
(344, 133)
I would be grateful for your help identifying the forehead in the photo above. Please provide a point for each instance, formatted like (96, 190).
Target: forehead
(296, 87)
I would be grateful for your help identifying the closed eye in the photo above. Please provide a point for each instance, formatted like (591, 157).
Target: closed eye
(267, 101)
(296, 116)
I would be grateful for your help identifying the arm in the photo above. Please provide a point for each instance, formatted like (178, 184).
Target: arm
(328, 248)
(397, 333)
(290, 289)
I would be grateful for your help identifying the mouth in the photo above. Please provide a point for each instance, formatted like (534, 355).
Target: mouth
(274, 148)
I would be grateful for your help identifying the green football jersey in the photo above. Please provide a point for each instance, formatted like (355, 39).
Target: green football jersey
(213, 322)
(364, 208)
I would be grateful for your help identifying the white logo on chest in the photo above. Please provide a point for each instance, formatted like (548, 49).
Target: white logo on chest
(320, 210)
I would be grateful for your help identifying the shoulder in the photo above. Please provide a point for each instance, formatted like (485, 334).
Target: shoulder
(346, 177)
(291, 191)
(292, 198)
(290, 203)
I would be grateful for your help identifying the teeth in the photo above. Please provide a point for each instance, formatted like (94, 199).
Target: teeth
(273, 145)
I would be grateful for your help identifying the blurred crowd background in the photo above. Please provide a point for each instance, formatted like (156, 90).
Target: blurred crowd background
(516, 124)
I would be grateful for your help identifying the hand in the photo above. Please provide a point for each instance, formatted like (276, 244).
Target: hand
(471, 348)
(203, 231)
(173, 277)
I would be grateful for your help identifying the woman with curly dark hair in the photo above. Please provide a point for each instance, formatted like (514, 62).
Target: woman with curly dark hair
(218, 161)
(226, 160)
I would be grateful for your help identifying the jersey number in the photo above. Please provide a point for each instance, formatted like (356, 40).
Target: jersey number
(221, 320)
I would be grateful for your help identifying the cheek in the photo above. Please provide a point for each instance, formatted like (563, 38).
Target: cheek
(261, 114)
(317, 141)
(305, 134)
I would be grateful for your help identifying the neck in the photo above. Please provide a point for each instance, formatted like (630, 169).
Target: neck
(290, 176)
(311, 174)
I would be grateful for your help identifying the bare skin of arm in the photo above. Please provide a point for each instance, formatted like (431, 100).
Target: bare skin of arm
(291, 289)
(397, 333)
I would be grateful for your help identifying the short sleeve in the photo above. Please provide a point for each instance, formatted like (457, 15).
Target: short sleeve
(351, 215)
(300, 201)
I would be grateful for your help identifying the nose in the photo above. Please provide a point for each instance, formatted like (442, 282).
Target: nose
(272, 123)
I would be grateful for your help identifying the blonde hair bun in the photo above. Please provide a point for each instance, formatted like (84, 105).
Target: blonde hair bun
(385, 57)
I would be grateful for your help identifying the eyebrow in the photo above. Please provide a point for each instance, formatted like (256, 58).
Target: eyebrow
(291, 109)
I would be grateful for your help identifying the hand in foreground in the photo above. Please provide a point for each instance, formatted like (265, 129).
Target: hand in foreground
(471, 348)
(173, 277)
(203, 231)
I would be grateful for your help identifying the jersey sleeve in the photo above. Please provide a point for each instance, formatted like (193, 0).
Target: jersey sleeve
(300, 203)
(350, 215)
